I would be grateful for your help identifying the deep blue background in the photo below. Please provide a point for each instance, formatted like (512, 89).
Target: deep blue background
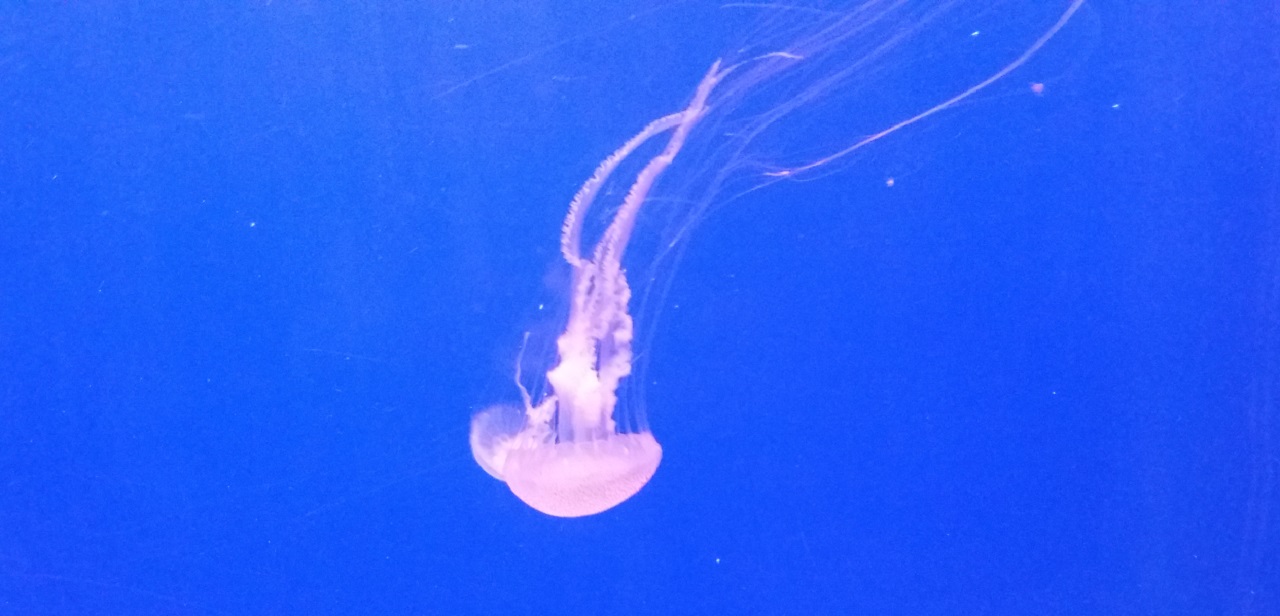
(259, 261)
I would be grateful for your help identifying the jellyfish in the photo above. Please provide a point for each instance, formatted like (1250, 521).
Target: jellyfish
(567, 454)
(568, 458)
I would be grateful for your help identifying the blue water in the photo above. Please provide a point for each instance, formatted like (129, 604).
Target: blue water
(260, 261)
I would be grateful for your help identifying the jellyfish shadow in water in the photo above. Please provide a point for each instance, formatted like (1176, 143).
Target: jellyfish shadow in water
(566, 454)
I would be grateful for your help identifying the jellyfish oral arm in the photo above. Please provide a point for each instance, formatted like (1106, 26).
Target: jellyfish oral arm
(595, 348)
(571, 235)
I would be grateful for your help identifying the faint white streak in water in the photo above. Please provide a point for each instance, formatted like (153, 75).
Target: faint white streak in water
(549, 48)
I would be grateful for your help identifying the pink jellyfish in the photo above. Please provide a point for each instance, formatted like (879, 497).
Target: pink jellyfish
(566, 455)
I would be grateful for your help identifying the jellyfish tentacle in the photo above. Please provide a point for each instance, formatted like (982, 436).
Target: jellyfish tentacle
(944, 105)
(524, 393)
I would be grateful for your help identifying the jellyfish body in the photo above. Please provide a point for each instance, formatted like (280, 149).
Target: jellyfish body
(569, 457)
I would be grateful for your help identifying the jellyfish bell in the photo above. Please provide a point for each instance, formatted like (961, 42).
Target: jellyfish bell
(568, 478)
(578, 478)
